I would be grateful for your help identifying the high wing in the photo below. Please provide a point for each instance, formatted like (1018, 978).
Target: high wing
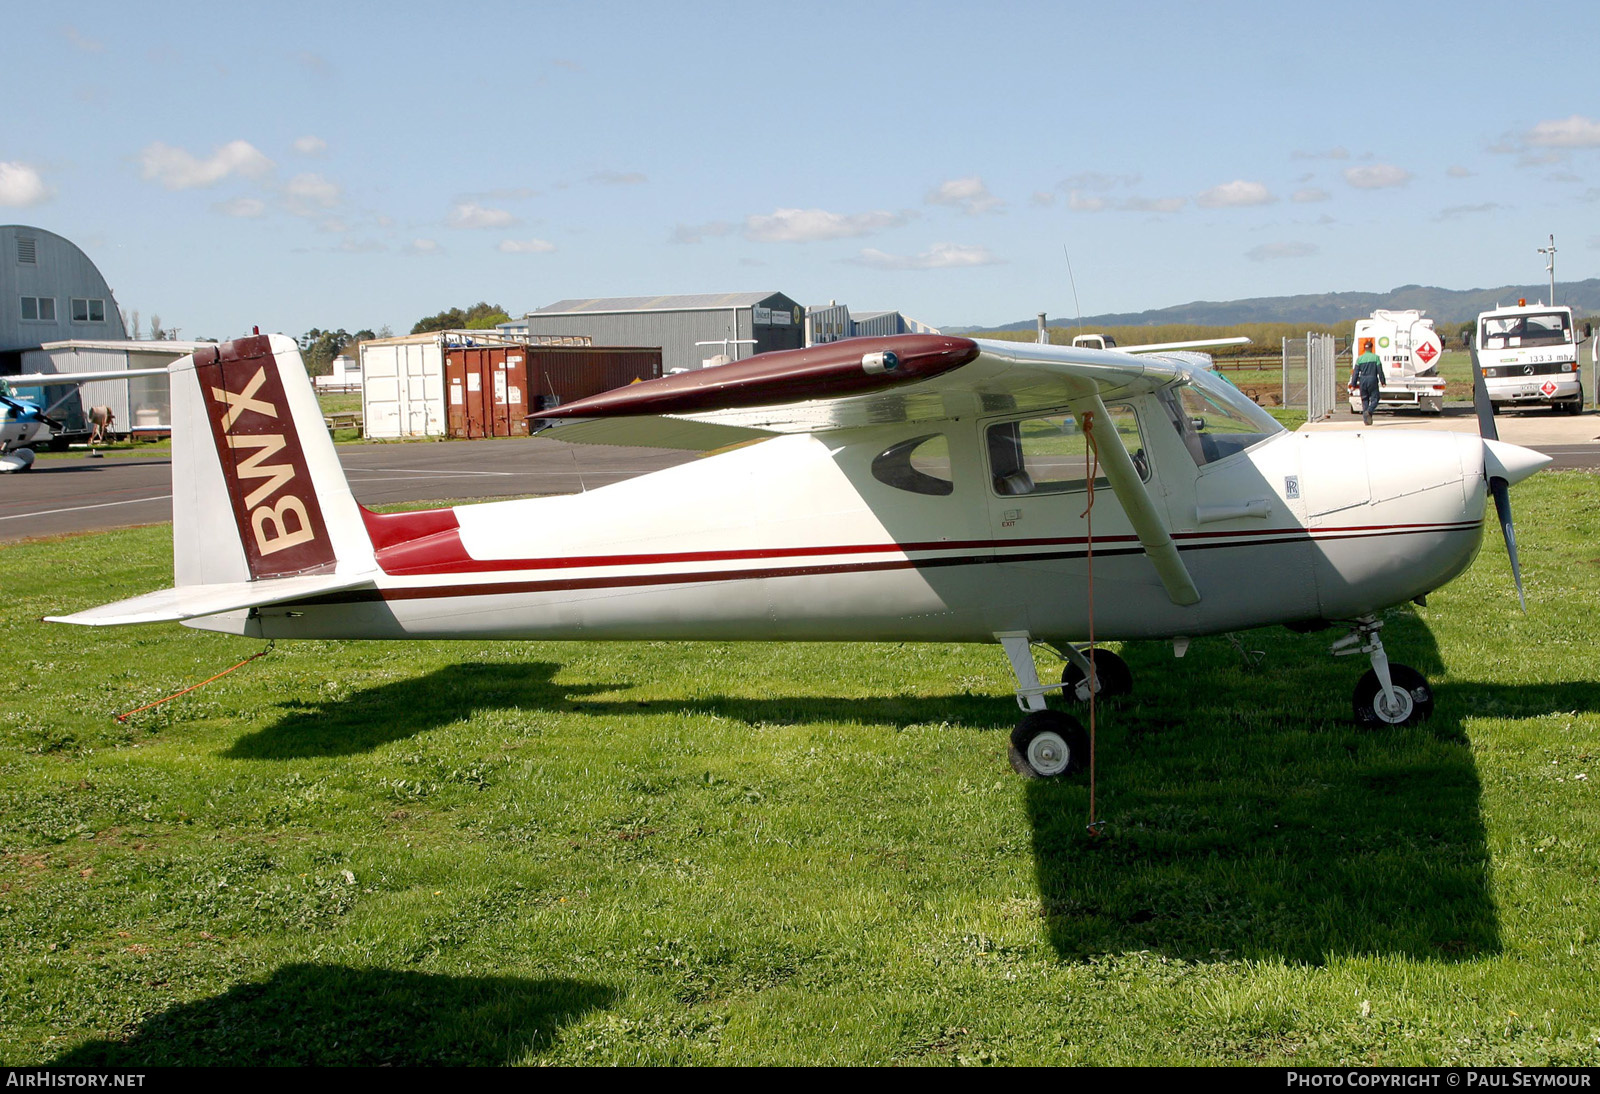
(867, 381)
(68, 379)
(906, 378)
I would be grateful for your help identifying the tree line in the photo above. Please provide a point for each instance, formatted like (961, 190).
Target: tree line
(319, 347)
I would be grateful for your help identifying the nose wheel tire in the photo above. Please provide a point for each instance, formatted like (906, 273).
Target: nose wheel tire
(1116, 678)
(1048, 745)
(1412, 702)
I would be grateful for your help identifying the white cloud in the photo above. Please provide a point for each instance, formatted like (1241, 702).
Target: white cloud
(1456, 171)
(695, 233)
(811, 225)
(248, 208)
(1574, 132)
(309, 192)
(310, 146)
(1234, 194)
(20, 185)
(423, 247)
(968, 194)
(618, 178)
(1097, 180)
(526, 246)
(941, 256)
(178, 169)
(1153, 205)
(1339, 153)
(1043, 197)
(1377, 176)
(362, 246)
(1269, 251)
(469, 214)
(1309, 193)
(1086, 203)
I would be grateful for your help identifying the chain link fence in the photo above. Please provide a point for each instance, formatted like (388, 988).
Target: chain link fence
(1308, 374)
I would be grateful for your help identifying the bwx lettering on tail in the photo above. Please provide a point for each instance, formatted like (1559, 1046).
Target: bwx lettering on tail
(274, 502)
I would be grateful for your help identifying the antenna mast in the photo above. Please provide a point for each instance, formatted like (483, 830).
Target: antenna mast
(1550, 265)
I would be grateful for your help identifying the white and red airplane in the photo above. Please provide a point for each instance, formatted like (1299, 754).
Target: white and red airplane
(918, 487)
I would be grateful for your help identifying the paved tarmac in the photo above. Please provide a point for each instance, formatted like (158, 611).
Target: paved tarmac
(1572, 439)
(73, 493)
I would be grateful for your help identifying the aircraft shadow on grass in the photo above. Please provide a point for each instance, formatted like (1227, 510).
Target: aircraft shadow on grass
(1294, 835)
(332, 1015)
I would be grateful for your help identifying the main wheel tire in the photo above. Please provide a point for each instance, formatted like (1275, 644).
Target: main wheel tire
(1415, 698)
(1048, 745)
(1116, 678)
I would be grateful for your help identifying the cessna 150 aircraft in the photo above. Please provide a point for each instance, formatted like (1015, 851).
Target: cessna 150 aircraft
(917, 487)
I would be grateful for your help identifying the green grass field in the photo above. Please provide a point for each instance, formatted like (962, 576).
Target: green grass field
(667, 853)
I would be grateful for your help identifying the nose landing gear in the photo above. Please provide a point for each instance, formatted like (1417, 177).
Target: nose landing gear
(1389, 694)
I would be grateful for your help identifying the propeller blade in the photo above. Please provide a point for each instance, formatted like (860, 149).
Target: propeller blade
(1502, 506)
(1480, 397)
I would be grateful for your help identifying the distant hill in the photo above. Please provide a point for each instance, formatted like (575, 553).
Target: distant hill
(1442, 305)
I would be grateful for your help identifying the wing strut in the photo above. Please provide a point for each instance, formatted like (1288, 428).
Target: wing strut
(1135, 499)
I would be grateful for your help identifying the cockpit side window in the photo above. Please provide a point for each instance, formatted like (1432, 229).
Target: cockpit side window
(920, 465)
(1046, 455)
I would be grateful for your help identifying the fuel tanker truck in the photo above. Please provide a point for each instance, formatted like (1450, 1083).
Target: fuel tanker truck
(1410, 349)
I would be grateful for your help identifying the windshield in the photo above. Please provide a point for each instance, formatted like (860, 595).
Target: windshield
(1541, 329)
(1214, 418)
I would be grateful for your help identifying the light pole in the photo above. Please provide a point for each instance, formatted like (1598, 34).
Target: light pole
(1550, 266)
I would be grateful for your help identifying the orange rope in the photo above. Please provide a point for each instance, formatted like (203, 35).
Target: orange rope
(192, 687)
(1091, 463)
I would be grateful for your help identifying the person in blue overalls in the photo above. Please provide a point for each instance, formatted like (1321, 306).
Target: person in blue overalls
(1367, 374)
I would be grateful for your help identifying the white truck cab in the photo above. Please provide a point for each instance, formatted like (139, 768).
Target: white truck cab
(1094, 341)
(1528, 356)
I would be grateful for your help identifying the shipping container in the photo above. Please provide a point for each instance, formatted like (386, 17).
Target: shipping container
(492, 391)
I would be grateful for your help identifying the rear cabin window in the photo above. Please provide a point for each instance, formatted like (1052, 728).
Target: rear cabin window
(1046, 455)
(920, 465)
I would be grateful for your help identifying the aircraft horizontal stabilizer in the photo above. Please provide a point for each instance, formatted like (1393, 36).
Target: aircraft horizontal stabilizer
(193, 601)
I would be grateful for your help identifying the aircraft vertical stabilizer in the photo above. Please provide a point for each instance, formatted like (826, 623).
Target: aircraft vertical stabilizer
(257, 489)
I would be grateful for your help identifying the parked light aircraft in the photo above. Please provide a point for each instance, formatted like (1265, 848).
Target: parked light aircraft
(24, 425)
(917, 487)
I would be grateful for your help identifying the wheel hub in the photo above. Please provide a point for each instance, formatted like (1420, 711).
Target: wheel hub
(1048, 754)
(1394, 707)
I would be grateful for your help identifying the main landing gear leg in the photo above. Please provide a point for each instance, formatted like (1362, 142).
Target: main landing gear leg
(1389, 694)
(1046, 744)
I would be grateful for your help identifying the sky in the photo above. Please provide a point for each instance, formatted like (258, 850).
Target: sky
(347, 165)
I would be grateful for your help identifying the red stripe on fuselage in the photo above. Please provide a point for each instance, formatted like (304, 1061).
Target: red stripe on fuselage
(622, 581)
(437, 548)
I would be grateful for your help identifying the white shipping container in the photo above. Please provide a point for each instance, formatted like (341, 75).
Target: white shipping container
(402, 389)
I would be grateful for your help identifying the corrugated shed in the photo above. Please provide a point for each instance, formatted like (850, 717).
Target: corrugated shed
(683, 302)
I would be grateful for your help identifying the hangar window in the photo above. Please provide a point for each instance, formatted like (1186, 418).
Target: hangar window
(920, 465)
(1047, 455)
(88, 311)
(41, 308)
(27, 251)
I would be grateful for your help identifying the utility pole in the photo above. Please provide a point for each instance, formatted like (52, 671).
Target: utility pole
(1550, 266)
